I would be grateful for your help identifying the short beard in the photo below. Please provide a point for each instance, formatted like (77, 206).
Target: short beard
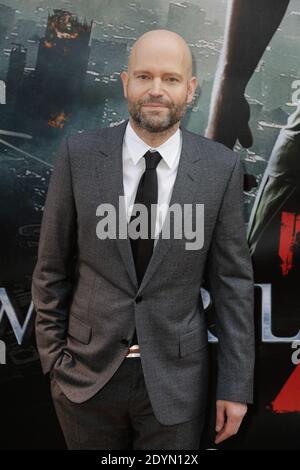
(146, 122)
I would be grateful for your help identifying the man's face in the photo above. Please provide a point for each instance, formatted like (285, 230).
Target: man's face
(157, 87)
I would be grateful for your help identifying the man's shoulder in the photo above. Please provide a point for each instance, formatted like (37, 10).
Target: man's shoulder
(213, 150)
(96, 136)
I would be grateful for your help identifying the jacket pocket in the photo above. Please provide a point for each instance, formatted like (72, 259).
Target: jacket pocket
(192, 341)
(79, 330)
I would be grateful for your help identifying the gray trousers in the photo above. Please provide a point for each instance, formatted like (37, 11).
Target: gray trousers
(120, 416)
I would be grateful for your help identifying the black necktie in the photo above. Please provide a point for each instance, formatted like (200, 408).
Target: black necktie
(146, 194)
(147, 191)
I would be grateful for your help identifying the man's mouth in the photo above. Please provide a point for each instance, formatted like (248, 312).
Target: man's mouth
(155, 105)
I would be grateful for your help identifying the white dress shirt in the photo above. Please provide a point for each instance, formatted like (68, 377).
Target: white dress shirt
(134, 148)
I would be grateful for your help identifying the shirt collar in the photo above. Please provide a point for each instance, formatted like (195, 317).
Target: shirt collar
(137, 147)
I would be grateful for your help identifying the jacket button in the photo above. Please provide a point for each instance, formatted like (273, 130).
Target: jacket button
(125, 341)
(138, 299)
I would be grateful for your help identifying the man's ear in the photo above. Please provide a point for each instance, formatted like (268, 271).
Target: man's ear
(124, 78)
(192, 85)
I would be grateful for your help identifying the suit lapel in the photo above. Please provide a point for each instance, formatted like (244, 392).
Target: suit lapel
(110, 175)
(184, 189)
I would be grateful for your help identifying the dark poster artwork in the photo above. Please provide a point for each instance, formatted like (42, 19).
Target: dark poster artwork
(258, 82)
(60, 63)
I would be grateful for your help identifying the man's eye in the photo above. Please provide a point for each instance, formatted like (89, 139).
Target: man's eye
(172, 79)
(143, 77)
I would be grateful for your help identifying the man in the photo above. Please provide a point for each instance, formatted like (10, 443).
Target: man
(123, 335)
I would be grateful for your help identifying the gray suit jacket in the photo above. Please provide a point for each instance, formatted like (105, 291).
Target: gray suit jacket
(85, 290)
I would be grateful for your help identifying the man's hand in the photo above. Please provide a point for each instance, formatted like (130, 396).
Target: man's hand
(229, 417)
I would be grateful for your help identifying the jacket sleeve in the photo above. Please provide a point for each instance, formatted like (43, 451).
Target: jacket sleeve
(230, 280)
(52, 281)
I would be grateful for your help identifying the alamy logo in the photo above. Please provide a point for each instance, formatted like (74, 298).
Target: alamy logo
(2, 352)
(184, 221)
(2, 92)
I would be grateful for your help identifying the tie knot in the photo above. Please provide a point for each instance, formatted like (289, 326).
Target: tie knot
(152, 159)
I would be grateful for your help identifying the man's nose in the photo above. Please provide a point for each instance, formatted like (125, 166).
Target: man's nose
(156, 87)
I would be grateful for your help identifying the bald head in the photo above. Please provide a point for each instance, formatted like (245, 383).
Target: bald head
(159, 85)
(159, 43)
